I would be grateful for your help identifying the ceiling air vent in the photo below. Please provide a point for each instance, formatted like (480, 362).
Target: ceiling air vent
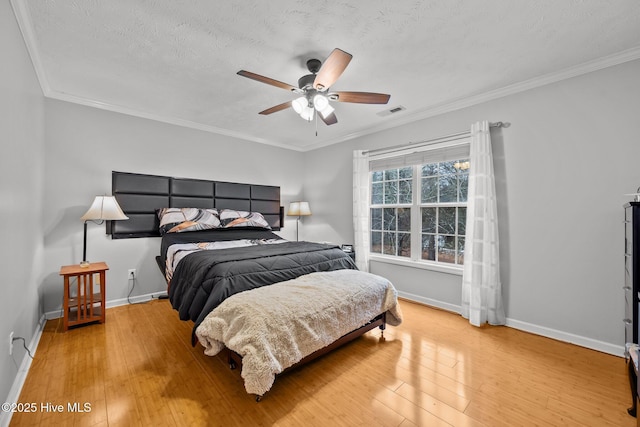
(391, 111)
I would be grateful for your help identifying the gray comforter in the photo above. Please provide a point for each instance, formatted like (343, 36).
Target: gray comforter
(203, 280)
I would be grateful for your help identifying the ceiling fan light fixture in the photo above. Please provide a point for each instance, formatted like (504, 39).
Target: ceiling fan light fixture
(326, 111)
(298, 104)
(307, 113)
(320, 102)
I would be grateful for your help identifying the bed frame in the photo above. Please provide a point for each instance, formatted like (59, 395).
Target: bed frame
(380, 321)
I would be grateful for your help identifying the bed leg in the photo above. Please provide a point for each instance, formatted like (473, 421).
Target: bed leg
(233, 359)
(382, 328)
(232, 363)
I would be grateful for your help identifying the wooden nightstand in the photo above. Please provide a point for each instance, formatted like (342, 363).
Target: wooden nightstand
(87, 305)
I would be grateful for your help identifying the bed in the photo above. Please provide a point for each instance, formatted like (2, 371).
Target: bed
(223, 261)
(271, 304)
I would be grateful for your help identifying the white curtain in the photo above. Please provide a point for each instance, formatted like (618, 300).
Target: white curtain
(481, 287)
(361, 197)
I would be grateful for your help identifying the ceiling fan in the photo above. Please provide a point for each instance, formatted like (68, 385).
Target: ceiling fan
(314, 89)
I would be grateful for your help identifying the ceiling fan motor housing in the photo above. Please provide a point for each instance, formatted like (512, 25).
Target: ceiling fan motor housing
(313, 65)
(306, 82)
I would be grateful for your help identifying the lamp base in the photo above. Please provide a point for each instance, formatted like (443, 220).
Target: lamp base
(84, 264)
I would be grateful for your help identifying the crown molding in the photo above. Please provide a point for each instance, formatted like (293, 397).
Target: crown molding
(469, 101)
(26, 27)
(164, 119)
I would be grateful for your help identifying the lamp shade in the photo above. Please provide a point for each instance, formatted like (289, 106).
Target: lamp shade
(299, 209)
(104, 208)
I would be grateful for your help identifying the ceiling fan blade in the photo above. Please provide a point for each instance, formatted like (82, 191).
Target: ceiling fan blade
(332, 68)
(360, 97)
(276, 108)
(267, 80)
(331, 119)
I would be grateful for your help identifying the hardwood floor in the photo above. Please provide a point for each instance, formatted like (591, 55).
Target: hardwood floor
(139, 369)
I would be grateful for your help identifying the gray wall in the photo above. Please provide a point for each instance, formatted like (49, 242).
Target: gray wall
(562, 170)
(21, 190)
(84, 145)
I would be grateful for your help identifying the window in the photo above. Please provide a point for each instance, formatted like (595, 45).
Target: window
(418, 212)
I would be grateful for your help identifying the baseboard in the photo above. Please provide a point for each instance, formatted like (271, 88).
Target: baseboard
(21, 376)
(604, 347)
(138, 299)
(590, 343)
(135, 300)
(430, 302)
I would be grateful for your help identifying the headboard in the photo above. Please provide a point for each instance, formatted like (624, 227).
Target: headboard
(140, 195)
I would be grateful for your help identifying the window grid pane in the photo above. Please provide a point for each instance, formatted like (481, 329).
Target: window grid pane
(391, 231)
(445, 182)
(392, 187)
(404, 245)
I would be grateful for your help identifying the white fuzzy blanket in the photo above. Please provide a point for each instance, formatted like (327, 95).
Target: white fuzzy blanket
(275, 326)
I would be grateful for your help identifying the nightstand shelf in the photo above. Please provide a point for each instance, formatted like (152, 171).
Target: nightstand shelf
(88, 303)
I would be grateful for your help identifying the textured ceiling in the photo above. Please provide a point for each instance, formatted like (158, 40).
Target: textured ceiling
(177, 60)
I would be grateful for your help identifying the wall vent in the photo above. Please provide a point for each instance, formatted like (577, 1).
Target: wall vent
(391, 111)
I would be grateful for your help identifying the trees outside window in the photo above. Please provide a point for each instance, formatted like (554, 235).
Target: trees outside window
(427, 224)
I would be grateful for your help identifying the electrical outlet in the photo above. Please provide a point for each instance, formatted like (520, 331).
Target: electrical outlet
(11, 343)
(131, 273)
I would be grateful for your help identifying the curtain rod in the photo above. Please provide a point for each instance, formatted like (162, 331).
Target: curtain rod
(446, 138)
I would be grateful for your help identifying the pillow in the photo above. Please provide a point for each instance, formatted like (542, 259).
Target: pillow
(230, 218)
(178, 220)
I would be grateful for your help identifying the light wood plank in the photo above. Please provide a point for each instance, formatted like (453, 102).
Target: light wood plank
(139, 369)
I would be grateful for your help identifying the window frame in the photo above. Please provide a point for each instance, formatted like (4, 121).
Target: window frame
(416, 206)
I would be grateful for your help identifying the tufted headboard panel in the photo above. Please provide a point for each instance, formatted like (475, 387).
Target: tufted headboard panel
(140, 196)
